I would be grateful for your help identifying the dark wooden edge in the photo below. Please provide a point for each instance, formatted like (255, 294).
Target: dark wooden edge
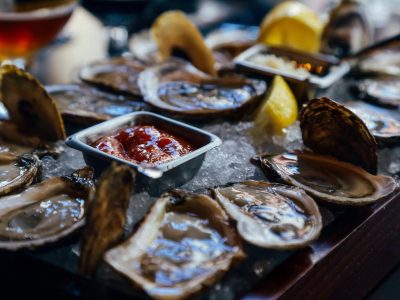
(351, 257)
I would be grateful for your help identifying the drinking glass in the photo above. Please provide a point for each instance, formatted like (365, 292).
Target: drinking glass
(26, 26)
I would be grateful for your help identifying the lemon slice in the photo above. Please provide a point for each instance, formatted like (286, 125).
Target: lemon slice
(292, 24)
(279, 109)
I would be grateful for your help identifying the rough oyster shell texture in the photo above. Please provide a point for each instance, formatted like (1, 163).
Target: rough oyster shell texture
(330, 128)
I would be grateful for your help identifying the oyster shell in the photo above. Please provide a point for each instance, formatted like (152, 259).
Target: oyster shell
(271, 215)
(330, 128)
(348, 30)
(29, 105)
(381, 90)
(326, 178)
(46, 212)
(83, 105)
(183, 244)
(117, 74)
(106, 216)
(174, 33)
(177, 87)
(383, 127)
(17, 172)
(384, 62)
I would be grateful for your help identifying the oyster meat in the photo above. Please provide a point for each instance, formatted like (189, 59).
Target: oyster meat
(381, 90)
(46, 212)
(183, 244)
(383, 127)
(326, 178)
(81, 104)
(29, 106)
(118, 74)
(106, 216)
(330, 128)
(177, 87)
(271, 215)
(17, 172)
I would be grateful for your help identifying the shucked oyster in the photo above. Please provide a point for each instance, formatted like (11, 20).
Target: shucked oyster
(118, 74)
(326, 178)
(381, 90)
(81, 104)
(330, 128)
(106, 216)
(45, 212)
(17, 172)
(184, 243)
(179, 88)
(384, 128)
(271, 215)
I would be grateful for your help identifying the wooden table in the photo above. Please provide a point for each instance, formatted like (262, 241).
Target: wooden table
(352, 256)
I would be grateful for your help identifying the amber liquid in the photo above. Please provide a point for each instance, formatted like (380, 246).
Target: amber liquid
(27, 26)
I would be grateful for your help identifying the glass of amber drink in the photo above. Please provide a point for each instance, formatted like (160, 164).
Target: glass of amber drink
(28, 25)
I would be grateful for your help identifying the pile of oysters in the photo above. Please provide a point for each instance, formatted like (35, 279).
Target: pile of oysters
(186, 241)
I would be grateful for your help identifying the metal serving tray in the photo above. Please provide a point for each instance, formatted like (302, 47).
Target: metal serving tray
(154, 179)
(335, 69)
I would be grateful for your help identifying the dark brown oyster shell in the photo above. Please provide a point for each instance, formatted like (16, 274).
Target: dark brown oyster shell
(180, 89)
(106, 216)
(84, 105)
(330, 128)
(183, 244)
(271, 215)
(327, 178)
(45, 212)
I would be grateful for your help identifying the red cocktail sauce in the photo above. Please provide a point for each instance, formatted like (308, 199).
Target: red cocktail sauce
(144, 144)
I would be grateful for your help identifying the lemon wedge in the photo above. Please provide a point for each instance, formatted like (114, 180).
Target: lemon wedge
(279, 109)
(292, 24)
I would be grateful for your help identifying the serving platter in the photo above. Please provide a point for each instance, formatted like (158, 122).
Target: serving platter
(357, 248)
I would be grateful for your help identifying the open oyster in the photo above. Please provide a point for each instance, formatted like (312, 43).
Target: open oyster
(271, 215)
(348, 29)
(175, 34)
(183, 244)
(118, 74)
(326, 178)
(330, 128)
(45, 212)
(106, 216)
(384, 62)
(29, 106)
(383, 127)
(81, 104)
(381, 90)
(177, 87)
(17, 172)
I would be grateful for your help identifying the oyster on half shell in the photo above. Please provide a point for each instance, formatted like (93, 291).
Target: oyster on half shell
(183, 244)
(383, 127)
(117, 74)
(17, 172)
(83, 105)
(326, 178)
(177, 87)
(271, 215)
(45, 212)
